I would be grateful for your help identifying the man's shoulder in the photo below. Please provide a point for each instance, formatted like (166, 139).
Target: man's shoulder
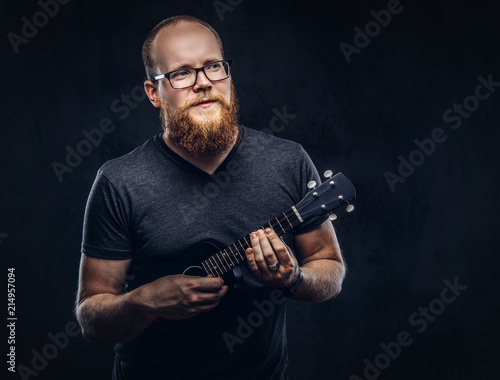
(132, 162)
(254, 136)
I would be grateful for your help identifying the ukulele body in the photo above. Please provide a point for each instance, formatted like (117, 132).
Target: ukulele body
(188, 264)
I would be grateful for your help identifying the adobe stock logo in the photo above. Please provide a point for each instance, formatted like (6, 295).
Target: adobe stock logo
(121, 106)
(222, 7)
(74, 157)
(427, 146)
(58, 342)
(372, 29)
(255, 319)
(420, 320)
(30, 28)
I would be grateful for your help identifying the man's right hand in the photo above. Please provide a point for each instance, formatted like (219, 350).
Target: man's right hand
(106, 314)
(181, 296)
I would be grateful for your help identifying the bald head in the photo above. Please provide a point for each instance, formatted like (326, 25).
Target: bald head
(177, 32)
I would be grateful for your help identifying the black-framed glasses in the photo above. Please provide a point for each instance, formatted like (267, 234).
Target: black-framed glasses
(184, 78)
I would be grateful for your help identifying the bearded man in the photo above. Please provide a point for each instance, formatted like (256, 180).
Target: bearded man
(145, 211)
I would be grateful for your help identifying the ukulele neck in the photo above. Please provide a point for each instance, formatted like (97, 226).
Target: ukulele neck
(234, 254)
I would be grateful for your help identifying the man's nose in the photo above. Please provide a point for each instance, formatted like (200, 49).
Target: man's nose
(202, 82)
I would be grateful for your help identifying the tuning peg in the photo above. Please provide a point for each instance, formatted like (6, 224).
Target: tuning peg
(311, 185)
(349, 208)
(328, 174)
(332, 217)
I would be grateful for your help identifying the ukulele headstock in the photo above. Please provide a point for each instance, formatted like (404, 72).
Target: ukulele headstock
(336, 191)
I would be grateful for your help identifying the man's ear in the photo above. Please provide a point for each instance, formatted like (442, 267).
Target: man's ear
(152, 93)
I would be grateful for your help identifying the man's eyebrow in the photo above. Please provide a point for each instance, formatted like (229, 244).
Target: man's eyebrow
(186, 66)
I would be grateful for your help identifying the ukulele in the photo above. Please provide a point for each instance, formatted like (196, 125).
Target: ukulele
(208, 258)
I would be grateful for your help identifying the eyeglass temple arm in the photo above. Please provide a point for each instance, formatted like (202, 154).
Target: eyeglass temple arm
(158, 77)
(229, 61)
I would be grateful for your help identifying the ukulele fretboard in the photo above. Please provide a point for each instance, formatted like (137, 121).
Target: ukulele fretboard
(234, 254)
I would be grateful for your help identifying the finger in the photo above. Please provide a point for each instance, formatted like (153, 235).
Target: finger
(208, 284)
(250, 253)
(257, 244)
(205, 308)
(267, 249)
(279, 247)
(203, 298)
(212, 276)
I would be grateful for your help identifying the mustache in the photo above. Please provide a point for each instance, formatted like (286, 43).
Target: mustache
(205, 98)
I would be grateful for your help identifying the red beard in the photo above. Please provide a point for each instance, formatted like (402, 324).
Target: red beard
(213, 136)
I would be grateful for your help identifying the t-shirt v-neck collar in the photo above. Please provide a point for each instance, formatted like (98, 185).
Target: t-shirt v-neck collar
(169, 153)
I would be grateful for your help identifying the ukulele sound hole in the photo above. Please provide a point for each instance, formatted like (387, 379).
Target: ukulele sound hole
(194, 271)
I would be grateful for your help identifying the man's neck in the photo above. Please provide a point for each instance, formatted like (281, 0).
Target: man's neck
(208, 164)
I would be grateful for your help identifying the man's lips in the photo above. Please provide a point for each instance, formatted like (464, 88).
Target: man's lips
(205, 103)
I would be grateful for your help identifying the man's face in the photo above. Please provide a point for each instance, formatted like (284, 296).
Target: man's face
(201, 119)
(184, 45)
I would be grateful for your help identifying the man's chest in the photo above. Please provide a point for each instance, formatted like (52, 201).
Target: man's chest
(169, 218)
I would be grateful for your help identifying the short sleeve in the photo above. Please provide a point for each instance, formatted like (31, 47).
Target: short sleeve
(105, 228)
(308, 172)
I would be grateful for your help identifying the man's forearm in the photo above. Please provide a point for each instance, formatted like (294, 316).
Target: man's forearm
(112, 317)
(322, 280)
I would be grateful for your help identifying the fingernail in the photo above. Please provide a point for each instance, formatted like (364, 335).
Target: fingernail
(268, 231)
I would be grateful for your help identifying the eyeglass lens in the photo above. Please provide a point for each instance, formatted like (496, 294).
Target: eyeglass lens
(187, 77)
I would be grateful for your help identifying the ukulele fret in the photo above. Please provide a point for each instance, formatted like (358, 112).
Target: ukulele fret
(239, 254)
(237, 250)
(235, 257)
(226, 256)
(222, 263)
(291, 225)
(246, 241)
(293, 217)
(214, 266)
(229, 256)
(296, 219)
(206, 268)
(242, 247)
(277, 220)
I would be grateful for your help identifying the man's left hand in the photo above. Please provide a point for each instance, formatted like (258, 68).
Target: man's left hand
(271, 260)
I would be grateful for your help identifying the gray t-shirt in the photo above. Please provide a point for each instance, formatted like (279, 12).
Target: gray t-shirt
(152, 206)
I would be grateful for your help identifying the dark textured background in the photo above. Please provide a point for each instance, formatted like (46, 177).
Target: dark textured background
(357, 118)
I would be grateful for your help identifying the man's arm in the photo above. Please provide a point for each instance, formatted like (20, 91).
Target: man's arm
(106, 314)
(320, 260)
